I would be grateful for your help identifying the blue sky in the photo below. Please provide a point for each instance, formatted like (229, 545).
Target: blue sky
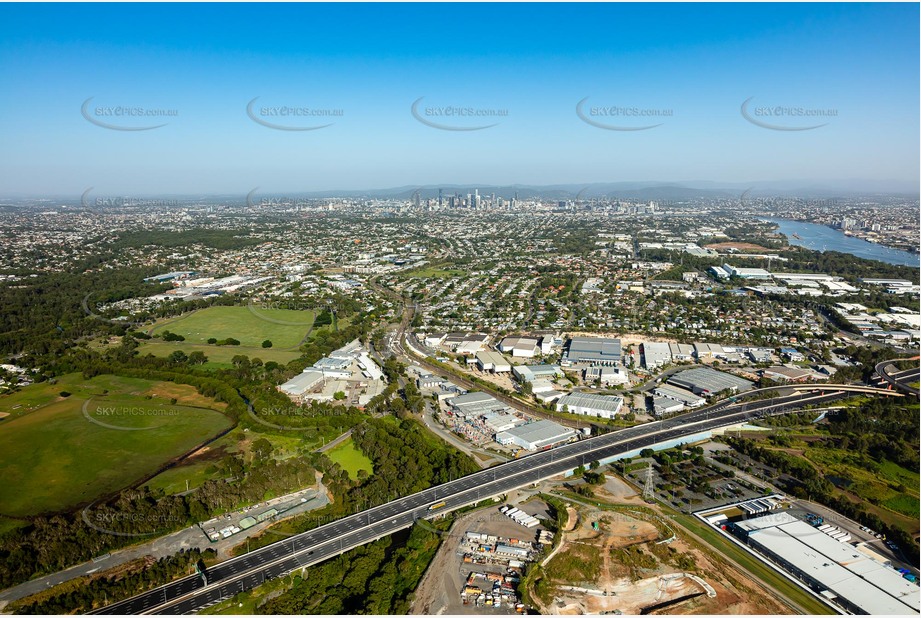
(536, 62)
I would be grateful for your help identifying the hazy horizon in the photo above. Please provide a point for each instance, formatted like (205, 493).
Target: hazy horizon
(383, 96)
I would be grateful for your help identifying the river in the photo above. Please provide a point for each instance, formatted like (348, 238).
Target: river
(823, 238)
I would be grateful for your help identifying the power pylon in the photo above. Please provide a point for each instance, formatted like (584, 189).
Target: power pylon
(649, 487)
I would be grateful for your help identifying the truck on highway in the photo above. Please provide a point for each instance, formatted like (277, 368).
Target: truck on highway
(437, 505)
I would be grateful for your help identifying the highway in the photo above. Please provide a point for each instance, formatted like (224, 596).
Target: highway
(900, 379)
(190, 594)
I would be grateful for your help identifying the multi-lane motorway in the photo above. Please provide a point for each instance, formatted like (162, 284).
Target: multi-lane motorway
(192, 594)
(901, 380)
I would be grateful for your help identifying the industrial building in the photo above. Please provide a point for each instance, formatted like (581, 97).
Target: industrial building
(523, 347)
(706, 381)
(476, 404)
(682, 396)
(488, 360)
(539, 435)
(681, 351)
(655, 355)
(592, 350)
(301, 384)
(498, 422)
(747, 273)
(545, 391)
(601, 406)
(529, 373)
(834, 569)
(465, 343)
(665, 405)
(606, 375)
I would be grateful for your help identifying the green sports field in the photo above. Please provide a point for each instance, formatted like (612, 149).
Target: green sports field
(57, 452)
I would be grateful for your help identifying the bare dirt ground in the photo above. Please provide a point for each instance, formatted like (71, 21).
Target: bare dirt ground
(599, 580)
(626, 339)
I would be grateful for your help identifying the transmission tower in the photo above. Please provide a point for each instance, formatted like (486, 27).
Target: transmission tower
(648, 487)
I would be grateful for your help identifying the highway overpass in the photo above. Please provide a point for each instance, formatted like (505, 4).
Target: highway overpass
(191, 594)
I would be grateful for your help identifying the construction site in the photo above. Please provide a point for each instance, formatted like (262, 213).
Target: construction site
(616, 554)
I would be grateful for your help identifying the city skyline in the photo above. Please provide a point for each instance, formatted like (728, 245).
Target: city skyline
(652, 94)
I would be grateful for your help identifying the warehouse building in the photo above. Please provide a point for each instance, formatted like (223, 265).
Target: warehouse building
(664, 405)
(747, 273)
(606, 375)
(301, 384)
(592, 350)
(529, 373)
(706, 381)
(523, 347)
(601, 406)
(656, 355)
(708, 350)
(488, 360)
(545, 391)
(681, 351)
(498, 422)
(476, 404)
(680, 395)
(836, 570)
(538, 435)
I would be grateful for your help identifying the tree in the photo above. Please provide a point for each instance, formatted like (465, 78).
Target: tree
(262, 449)
(197, 358)
(339, 395)
(178, 357)
(267, 344)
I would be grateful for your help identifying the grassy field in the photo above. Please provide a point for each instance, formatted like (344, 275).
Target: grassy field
(173, 481)
(111, 431)
(350, 458)
(219, 357)
(248, 319)
(285, 328)
(873, 485)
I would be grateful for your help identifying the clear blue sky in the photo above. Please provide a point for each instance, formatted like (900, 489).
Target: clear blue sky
(373, 61)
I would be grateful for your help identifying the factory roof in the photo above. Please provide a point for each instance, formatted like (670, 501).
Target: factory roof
(587, 400)
(584, 349)
(707, 380)
(839, 567)
(540, 433)
(302, 382)
(530, 372)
